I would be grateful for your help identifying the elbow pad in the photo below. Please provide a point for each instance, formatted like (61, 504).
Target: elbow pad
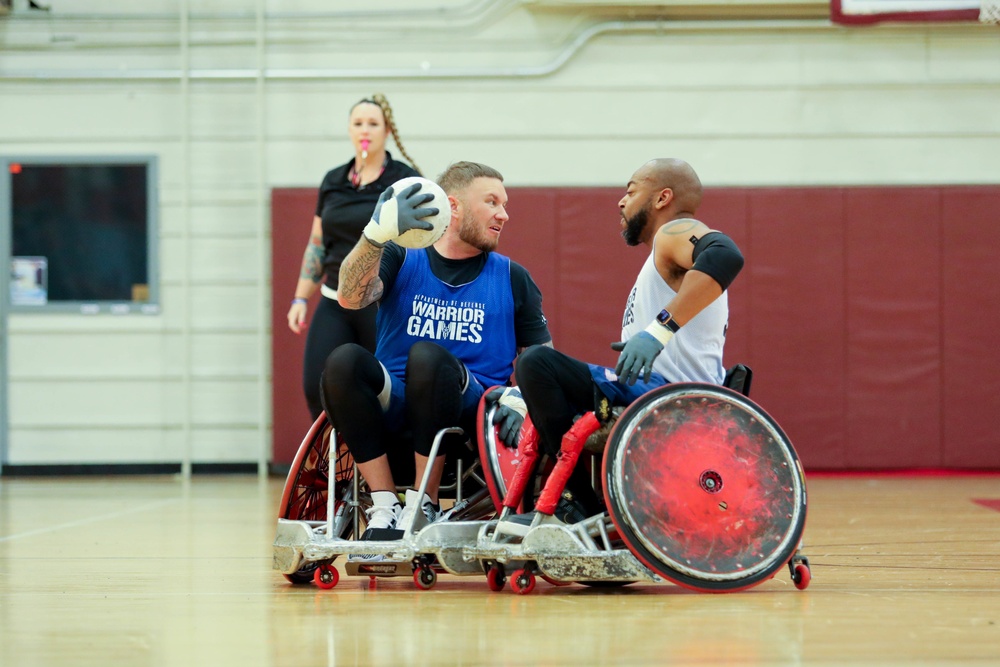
(717, 255)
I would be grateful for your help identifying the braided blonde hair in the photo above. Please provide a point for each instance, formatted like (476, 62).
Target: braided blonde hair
(383, 103)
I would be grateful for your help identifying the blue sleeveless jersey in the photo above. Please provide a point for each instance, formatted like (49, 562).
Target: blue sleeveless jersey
(475, 321)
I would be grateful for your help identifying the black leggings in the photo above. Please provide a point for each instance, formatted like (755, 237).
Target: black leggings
(556, 388)
(332, 326)
(353, 379)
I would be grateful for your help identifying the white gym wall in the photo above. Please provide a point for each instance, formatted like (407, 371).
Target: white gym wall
(237, 97)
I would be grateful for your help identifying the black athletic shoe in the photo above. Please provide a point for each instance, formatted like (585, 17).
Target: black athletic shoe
(569, 510)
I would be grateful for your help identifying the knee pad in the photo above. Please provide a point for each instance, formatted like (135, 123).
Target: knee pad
(427, 359)
(350, 367)
(435, 382)
(533, 361)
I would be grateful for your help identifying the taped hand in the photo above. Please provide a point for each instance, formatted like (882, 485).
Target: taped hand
(509, 415)
(637, 355)
(391, 220)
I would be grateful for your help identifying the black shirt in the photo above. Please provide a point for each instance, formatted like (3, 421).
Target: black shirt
(345, 210)
(530, 325)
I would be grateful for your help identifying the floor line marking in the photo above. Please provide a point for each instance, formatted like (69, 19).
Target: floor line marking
(93, 519)
(989, 503)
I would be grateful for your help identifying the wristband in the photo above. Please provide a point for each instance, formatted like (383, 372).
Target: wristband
(660, 333)
(299, 299)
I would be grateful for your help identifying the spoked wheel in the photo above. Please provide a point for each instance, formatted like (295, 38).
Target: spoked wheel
(704, 487)
(304, 497)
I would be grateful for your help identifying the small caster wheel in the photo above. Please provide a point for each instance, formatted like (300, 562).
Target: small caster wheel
(303, 576)
(326, 577)
(424, 578)
(801, 576)
(496, 578)
(523, 582)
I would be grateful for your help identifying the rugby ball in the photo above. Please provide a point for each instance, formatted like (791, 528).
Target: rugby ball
(418, 238)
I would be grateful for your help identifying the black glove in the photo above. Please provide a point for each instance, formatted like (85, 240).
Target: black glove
(509, 415)
(637, 355)
(407, 215)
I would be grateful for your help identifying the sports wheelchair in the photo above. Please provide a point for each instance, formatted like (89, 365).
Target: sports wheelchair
(323, 468)
(701, 488)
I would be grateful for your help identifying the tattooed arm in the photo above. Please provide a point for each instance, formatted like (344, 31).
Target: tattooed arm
(309, 276)
(360, 284)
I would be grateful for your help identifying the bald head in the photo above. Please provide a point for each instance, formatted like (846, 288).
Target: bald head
(678, 176)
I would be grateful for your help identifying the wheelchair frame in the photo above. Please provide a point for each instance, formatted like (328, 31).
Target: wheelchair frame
(604, 549)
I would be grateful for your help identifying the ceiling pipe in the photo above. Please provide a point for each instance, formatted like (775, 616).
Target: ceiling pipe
(426, 70)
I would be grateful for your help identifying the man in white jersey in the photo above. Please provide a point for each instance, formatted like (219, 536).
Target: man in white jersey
(674, 326)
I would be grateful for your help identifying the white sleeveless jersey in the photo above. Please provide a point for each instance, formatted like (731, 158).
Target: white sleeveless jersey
(694, 354)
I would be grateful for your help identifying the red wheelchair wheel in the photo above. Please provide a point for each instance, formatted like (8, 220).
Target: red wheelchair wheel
(704, 487)
(304, 497)
(499, 461)
(307, 484)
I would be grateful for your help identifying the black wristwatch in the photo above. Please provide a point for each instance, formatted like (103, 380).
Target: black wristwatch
(667, 320)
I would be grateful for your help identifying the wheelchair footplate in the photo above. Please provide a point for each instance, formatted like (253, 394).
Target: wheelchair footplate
(557, 552)
(439, 547)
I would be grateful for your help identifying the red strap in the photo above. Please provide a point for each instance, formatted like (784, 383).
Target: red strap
(527, 447)
(569, 454)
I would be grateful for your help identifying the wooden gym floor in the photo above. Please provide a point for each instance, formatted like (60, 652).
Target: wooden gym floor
(158, 571)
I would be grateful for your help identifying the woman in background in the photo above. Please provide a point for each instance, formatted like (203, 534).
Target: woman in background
(347, 198)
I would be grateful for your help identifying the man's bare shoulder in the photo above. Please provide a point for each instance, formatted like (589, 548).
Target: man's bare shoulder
(684, 226)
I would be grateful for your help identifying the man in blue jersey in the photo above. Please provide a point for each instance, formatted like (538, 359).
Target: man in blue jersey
(675, 320)
(452, 317)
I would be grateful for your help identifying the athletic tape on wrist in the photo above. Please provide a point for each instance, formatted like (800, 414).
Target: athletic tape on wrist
(660, 333)
(512, 399)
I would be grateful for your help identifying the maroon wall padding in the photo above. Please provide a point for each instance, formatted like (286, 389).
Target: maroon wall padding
(531, 236)
(970, 326)
(893, 278)
(292, 211)
(794, 267)
(868, 314)
(597, 272)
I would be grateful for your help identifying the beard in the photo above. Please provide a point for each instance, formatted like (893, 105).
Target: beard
(473, 234)
(634, 227)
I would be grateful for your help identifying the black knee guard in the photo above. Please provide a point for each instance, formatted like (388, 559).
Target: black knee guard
(350, 385)
(435, 381)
